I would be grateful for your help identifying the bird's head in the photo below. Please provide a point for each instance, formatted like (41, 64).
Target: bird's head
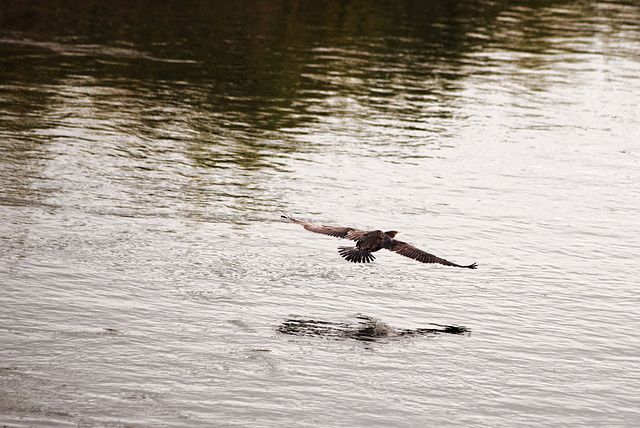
(391, 234)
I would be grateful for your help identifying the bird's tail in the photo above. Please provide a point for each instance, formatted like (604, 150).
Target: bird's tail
(355, 255)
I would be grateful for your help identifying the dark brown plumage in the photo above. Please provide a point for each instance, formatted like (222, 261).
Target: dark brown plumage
(368, 242)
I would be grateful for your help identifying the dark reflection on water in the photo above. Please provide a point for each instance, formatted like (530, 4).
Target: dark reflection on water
(230, 73)
(249, 67)
(367, 329)
(128, 89)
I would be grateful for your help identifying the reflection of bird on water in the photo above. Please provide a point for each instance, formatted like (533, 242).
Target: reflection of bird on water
(367, 329)
(368, 242)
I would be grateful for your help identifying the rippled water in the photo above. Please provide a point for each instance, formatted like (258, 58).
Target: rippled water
(148, 152)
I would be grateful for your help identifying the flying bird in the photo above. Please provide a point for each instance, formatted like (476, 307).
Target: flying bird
(368, 242)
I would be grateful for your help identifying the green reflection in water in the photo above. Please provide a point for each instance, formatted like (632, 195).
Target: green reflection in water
(237, 83)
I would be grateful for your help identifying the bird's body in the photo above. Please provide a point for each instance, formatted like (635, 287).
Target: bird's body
(368, 242)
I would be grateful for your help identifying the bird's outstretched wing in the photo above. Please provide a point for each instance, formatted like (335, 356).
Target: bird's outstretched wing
(338, 232)
(412, 252)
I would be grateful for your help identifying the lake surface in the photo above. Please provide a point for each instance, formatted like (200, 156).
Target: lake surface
(149, 150)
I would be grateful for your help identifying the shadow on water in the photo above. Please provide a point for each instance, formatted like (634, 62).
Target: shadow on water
(366, 329)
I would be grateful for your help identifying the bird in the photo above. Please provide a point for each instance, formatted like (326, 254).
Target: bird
(368, 242)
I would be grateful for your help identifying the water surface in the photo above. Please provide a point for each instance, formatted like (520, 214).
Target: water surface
(148, 152)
